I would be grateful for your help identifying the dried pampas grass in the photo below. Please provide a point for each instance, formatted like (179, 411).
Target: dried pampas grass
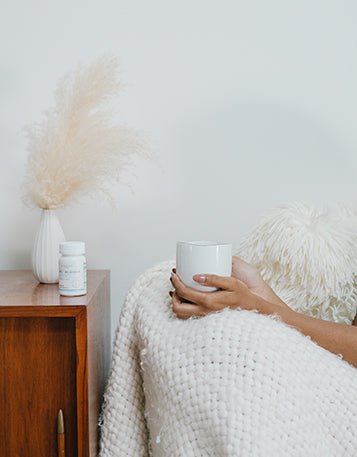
(77, 150)
(308, 255)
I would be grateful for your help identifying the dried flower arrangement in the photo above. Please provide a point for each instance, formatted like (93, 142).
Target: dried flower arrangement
(77, 150)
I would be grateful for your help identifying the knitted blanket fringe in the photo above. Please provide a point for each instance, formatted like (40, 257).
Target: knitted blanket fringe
(234, 383)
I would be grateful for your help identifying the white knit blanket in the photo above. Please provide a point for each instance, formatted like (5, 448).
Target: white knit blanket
(234, 383)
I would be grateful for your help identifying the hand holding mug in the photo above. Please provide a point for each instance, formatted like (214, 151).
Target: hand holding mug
(240, 290)
(229, 292)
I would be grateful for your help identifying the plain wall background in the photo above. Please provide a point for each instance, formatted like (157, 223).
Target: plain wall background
(248, 104)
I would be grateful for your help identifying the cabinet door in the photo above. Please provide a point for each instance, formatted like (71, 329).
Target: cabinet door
(37, 378)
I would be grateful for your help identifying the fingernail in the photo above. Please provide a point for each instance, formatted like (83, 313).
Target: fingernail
(200, 278)
(171, 278)
(174, 270)
(171, 293)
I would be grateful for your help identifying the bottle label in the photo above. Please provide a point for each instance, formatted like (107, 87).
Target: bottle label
(73, 275)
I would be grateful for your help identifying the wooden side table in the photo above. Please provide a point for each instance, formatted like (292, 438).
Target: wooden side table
(54, 354)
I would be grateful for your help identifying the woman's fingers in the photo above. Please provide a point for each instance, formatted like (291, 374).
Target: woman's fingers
(206, 301)
(185, 310)
(195, 296)
(233, 293)
(221, 282)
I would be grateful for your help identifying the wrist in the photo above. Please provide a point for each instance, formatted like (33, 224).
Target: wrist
(270, 296)
(264, 305)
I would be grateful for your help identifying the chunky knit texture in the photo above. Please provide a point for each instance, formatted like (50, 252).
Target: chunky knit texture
(233, 383)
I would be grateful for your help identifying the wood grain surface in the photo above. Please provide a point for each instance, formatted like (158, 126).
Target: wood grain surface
(54, 354)
(37, 373)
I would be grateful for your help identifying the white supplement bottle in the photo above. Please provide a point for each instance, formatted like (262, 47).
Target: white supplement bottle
(72, 269)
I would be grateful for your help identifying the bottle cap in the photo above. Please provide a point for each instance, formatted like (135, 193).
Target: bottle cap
(72, 248)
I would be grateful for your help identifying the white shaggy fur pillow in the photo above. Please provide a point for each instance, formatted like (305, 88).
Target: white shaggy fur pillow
(308, 255)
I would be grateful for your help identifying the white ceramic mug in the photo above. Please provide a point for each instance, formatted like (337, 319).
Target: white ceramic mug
(201, 257)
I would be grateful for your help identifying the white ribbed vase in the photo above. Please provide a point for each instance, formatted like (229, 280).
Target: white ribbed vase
(45, 254)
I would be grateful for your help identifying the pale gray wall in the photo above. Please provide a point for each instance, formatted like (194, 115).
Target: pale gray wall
(248, 103)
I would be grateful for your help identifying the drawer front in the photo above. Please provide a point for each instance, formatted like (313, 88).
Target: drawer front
(37, 378)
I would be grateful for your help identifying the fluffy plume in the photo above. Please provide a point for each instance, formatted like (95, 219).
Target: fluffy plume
(77, 150)
(308, 255)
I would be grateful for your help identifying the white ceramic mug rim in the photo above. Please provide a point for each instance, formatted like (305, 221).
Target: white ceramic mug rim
(203, 243)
